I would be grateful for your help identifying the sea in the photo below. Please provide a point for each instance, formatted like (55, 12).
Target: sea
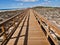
(3, 10)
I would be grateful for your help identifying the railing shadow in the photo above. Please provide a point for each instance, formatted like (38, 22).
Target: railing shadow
(26, 34)
(18, 36)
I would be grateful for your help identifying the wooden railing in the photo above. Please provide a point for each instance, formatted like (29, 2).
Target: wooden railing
(51, 31)
(9, 26)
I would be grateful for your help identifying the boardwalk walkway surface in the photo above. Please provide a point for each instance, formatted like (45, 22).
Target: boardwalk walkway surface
(28, 28)
(28, 32)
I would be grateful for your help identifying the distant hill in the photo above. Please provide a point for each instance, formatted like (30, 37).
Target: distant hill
(45, 7)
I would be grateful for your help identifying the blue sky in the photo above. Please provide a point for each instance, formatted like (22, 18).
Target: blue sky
(4, 4)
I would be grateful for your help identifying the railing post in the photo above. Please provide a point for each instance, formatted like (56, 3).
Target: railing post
(3, 30)
(13, 23)
(48, 31)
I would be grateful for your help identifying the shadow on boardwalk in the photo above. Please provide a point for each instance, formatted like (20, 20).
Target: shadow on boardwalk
(26, 34)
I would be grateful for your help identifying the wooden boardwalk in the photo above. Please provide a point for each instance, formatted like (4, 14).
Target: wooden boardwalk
(29, 32)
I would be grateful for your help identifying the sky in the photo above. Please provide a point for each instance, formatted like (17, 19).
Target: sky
(5, 4)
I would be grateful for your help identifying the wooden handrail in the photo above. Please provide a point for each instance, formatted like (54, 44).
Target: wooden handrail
(56, 31)
(3, 22)
(54, 27)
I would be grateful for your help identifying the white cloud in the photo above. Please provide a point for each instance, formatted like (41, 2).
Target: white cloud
(21, 4)
(46, 3)
(28, 0)
(46, 0)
